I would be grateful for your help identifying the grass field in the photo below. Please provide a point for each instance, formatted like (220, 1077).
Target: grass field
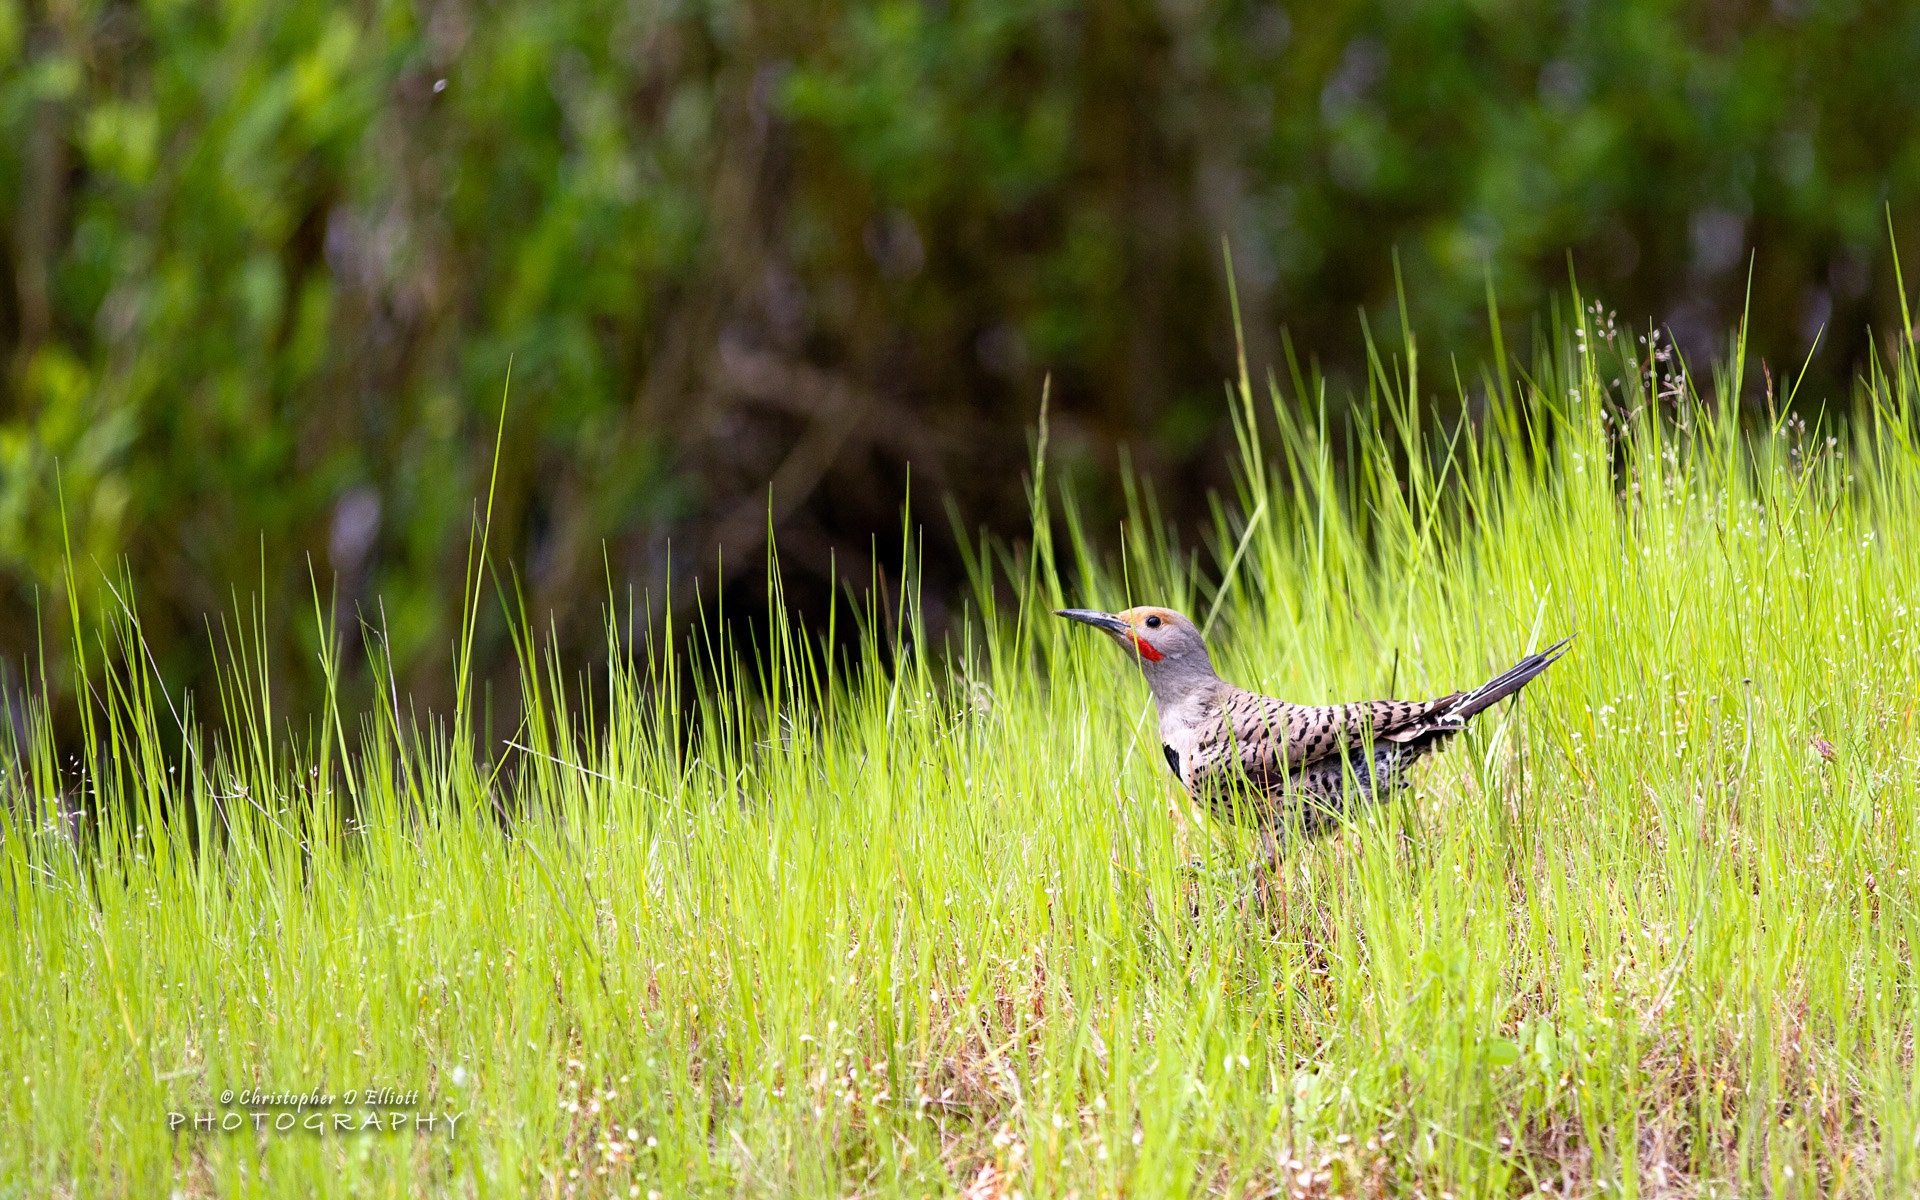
(937, 921)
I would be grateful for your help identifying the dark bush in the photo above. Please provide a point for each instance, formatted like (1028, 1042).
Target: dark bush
(270, 261)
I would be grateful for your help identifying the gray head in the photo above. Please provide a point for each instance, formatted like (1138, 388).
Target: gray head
(1168, 647)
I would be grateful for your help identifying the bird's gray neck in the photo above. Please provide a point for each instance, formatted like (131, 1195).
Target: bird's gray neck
(1182, 687)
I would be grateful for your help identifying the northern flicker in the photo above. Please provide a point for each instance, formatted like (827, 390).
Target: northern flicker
(1251, 757)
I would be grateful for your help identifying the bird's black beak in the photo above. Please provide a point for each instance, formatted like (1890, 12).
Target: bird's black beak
(1104, 622)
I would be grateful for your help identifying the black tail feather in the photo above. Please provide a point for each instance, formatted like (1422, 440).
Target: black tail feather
(1508, 682)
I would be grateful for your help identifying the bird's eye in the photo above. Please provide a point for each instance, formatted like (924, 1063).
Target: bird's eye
(1153, 622)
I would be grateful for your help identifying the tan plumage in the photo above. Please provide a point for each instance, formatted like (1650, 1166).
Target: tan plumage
(1253, 757)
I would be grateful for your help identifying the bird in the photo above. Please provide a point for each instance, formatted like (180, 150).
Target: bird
(1249, 758)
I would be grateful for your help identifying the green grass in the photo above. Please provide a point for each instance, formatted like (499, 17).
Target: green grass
(936, 921)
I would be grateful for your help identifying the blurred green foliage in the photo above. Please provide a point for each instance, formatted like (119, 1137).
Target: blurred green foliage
(268, 261)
